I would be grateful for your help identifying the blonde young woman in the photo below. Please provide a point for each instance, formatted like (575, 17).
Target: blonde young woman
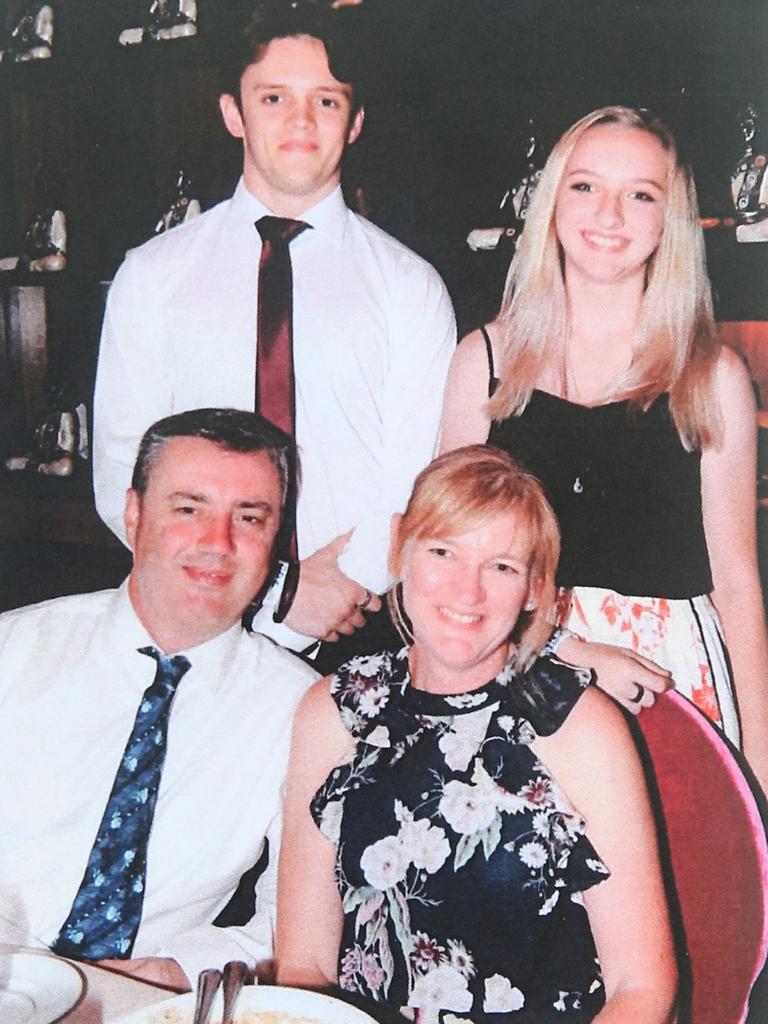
(467, 833)
(603, 374)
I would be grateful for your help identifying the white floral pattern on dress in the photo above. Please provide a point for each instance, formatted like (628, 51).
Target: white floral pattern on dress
(479, 802)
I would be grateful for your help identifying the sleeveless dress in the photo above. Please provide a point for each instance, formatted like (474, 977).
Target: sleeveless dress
(460, 860)
(634, 569)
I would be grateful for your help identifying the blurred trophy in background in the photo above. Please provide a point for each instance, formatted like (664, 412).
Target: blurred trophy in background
(516, 201)
(183, 207)
(31, 38)
(59, 439)
(166, 19)
(44, 246)
(45, 243)
(749, 182)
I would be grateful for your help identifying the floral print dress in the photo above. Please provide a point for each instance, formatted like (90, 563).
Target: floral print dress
(460, 860)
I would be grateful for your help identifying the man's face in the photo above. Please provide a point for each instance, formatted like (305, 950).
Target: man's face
(202, 537)
(294, 119)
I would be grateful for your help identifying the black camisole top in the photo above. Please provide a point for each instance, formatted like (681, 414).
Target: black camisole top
(626, 493)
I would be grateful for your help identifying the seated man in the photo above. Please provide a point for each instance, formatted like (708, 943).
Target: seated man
(126, 832)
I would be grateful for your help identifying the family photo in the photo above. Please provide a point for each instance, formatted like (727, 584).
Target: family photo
(383, 512)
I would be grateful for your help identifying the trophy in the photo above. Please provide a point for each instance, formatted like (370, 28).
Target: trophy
(44, 246)
(182, 208)
(518, 198)
(31, 37)
(749, 183)
(166, 19)
(59, 439)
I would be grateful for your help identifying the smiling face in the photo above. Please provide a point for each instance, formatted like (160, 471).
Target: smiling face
(295, 119)
(463, 595)
(202, 536)
(609, 212)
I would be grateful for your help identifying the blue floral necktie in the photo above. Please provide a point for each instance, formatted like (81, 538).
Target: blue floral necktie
(106, 911)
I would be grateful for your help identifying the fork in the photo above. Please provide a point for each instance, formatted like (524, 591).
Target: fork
(207, 983)
(235, 974)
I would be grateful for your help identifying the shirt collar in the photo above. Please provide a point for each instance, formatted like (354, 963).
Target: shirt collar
(328, 217)
(210, 660)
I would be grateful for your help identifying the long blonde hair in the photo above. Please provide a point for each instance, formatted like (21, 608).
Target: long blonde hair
(463, 489)
(677, 346)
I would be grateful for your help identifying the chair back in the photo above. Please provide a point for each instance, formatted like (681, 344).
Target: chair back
(715, 857)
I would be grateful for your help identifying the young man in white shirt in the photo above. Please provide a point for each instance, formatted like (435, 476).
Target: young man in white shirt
(201, 518)
(373, 328)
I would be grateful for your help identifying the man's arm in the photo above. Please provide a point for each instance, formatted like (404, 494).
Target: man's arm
(179, 961)
(421, 343)
(132, 389)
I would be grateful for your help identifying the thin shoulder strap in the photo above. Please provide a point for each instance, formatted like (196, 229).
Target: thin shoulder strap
(493, 380)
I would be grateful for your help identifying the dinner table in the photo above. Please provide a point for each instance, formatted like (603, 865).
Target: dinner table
(109, 996)
(40, 987)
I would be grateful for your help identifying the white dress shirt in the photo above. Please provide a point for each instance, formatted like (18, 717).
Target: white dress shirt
(373, 333)
(70, 682)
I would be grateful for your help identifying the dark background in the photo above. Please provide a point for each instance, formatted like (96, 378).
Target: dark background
(453, 86)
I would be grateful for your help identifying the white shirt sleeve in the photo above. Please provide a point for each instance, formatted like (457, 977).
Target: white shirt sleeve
(133, 388)
(422, 341)
(208, 946)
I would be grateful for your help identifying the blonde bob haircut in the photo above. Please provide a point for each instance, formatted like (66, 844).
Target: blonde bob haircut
(462, 490)
(677, 344)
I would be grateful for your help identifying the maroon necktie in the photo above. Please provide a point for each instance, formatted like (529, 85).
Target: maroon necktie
(274, 350)
(275, 392)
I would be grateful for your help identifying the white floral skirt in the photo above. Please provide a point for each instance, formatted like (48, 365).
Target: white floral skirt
(684, 636)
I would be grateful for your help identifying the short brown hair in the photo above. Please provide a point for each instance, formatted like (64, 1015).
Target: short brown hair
(464, 488)
(278, 19)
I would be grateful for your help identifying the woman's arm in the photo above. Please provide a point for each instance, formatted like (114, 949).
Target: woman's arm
(309, 915)
(729, 502)
(464, 420)
(594, 758)
(618, 671)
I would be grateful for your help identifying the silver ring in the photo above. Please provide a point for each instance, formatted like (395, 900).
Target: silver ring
(364, 604)
(638, 696)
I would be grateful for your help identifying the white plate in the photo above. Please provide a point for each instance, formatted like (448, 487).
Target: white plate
(312, 1005)
(36, 988)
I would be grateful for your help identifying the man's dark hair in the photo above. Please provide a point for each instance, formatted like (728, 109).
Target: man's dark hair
(231, 429)
(284, 19)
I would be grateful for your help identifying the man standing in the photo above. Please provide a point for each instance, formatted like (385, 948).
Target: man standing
(143, 733)
(372, 324)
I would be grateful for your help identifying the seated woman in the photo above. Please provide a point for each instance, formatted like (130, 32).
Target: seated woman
(468, 837)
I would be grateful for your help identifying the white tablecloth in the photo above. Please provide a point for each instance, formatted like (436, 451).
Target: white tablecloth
(109, 996)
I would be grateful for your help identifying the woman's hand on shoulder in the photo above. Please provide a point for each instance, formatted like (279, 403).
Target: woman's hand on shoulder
(464, 420)
(628, 677)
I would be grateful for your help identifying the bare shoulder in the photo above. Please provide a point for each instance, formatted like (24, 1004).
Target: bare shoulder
(736, 398)
(464, 419)
(731, 374)
(593, 741)
(319, 735)
(471, 352)
(318, 707)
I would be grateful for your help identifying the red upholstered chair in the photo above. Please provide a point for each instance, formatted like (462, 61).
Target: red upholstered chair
(716, 858)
